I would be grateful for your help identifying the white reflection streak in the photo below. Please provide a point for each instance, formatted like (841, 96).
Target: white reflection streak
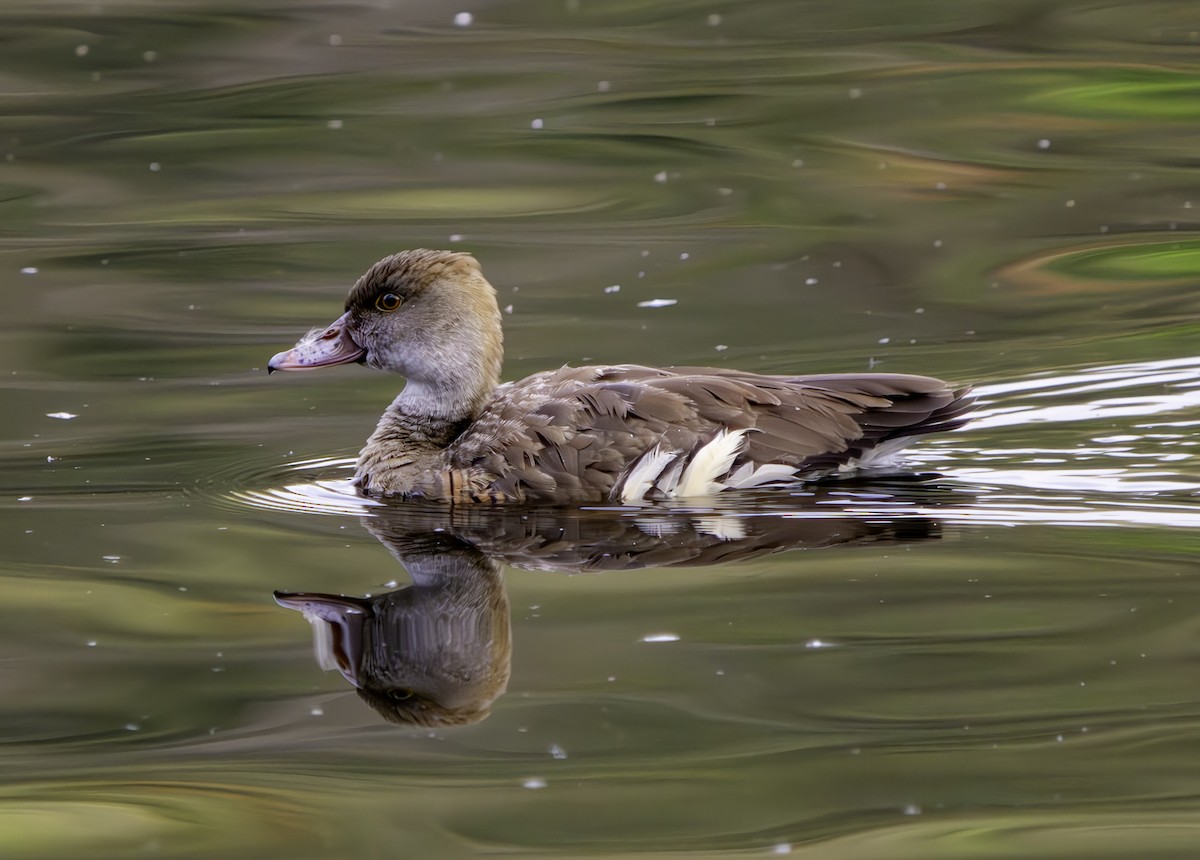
(1180, 373)
(1117, 407)
(1133, 372)
(1174, 387)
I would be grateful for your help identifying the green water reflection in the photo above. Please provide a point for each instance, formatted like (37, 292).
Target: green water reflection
(996, 193)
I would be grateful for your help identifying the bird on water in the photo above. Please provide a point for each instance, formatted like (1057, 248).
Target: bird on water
(620, 433)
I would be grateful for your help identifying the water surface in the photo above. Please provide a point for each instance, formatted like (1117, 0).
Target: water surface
(989, 659)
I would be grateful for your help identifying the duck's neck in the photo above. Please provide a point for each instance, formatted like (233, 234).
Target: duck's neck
(425, 418)
(415, 433)
(421, 402)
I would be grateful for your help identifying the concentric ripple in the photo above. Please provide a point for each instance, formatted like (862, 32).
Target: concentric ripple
(317, 486)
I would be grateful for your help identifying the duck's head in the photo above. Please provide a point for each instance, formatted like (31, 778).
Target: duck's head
(430, 316)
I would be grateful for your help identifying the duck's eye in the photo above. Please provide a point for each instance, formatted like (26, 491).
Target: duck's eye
(399, 694)
(388, 302)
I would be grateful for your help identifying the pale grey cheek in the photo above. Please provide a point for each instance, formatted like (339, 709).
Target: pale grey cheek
(395, 358)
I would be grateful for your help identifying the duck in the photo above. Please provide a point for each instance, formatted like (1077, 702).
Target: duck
(620, 433)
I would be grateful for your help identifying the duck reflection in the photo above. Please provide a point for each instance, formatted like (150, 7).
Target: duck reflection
(435, 653)
(438, 652)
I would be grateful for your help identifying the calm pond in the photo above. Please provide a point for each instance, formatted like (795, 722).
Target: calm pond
(991, 657)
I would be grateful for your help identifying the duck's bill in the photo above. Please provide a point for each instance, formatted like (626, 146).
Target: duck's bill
(320, 348)
(337, 624)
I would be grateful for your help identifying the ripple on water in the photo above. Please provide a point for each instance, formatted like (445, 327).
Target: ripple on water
(1126, 454)
(318, 486)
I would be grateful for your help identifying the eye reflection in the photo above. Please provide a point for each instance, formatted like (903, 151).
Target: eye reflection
(388, 302)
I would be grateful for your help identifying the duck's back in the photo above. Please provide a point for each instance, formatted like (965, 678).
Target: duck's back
(630, 433)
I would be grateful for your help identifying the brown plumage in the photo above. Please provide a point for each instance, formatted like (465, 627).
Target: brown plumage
(582, 434)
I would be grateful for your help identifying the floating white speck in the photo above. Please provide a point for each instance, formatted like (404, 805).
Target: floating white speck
(818, 643)
(912, 809)
(508, 309)
(334, 124)
(720, 347)
(24, 498)
(812, 282)
(81, 50)
(534, 782)
(149, 56)
(155, 167)
(1070, 204)
(603, 86)
(654, 303)
(885, 340)
(132, 727)
(684, 255)
(111, 559)
(558, 752)
(799, 162)
(615, 288)
(781, 848)
(62, 416)
(91, 643)
(714, 20)
(855, 93)
(317, 711)
(537, 123)
(1044, 143)
(661, 637)
(29, 270)
(661, 176)
(335, 39)
(463, 19)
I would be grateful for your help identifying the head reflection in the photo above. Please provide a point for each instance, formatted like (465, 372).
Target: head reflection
(438, 652)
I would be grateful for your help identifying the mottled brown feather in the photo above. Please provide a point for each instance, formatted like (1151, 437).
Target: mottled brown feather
(620, 412)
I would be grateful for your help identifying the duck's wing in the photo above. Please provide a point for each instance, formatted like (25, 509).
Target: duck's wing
(628, 432)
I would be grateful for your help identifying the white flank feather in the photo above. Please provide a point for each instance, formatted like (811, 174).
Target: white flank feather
(644, 473)
(708, 464)
(746, 476)
(880, 457)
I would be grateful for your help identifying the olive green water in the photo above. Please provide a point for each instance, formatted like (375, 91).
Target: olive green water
(996, 660)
